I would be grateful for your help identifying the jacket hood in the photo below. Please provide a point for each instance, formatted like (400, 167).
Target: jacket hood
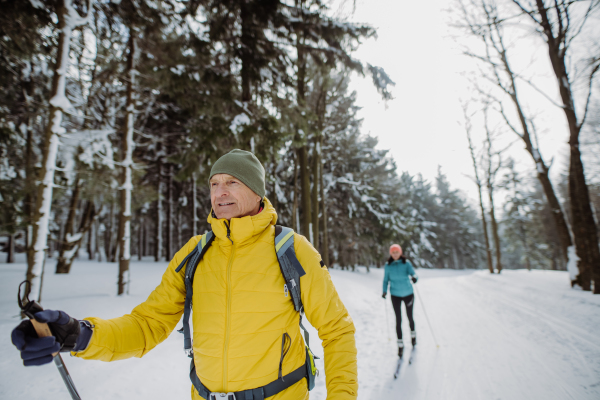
(245, 229)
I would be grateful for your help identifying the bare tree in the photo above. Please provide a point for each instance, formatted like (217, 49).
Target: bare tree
(68, 19)
(479, 184)
(481, 19)
(557, 24)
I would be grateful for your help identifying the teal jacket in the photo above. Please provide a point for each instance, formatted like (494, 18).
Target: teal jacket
(397, 276)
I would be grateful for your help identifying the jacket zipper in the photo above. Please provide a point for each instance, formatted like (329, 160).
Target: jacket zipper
(228, 326)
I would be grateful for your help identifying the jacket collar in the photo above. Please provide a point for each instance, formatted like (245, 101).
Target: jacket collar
(246, 229)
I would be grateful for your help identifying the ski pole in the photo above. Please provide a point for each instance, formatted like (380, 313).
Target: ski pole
(387, 320)
(43, 330)
(426, 317)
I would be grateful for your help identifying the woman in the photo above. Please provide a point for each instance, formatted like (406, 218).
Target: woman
(397, 272)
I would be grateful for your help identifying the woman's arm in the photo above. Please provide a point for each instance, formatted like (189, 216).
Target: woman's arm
(386, 279)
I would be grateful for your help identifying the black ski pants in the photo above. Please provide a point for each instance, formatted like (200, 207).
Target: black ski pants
(409, 301)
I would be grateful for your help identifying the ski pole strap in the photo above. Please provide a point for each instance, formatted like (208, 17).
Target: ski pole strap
(192, 261)
(260, 393)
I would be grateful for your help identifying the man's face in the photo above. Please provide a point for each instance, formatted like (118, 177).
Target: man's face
(396, 254)
(230, 198)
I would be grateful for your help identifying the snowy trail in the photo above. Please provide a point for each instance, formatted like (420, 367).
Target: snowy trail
(519, 335)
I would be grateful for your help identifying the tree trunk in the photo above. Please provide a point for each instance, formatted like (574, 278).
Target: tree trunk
(295, 203)
(141, 237)
(491, 174)
(488, 249)
(108, 233)
(30, 189)
(495, 229)
(126, 188)
(10, 250)
(67, 241)
(75, 240)
(246, 51)
(97, 240)
(325, 243)
(194, 207)
(305, 191)
(58, 101)
(179, 230)
(169, 249)
(146, 248)
(315, 193)
(159, 216)
(90, 244)
(584, 226)
(303, 151)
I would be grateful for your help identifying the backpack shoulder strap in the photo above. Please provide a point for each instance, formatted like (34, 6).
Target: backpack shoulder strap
(192, 260)
(289, 264)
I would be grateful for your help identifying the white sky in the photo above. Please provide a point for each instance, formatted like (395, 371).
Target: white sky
(421, 125)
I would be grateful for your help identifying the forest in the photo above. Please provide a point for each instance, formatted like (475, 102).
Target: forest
(112, 113)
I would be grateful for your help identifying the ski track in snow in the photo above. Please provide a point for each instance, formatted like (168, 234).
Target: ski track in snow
(518, 335)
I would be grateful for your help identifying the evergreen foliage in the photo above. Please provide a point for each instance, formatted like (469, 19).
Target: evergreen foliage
(212, 75)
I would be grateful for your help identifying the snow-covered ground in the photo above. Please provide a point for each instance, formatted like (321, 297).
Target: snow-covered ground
(519, 335)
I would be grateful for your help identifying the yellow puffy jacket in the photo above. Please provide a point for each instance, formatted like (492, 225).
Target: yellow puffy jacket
(240, 313)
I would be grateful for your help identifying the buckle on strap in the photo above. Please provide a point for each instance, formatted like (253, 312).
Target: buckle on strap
(221, 396)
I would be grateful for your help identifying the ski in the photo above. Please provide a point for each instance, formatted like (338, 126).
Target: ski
(412, 354)
(398, 365)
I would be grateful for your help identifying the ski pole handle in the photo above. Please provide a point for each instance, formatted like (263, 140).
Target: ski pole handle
(42, 329)
(29, 309)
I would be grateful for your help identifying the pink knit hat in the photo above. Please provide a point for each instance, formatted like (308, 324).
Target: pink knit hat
(395, 247)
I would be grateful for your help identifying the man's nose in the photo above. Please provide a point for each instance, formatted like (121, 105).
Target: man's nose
(221, 191)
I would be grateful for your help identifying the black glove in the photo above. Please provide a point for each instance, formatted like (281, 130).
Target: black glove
(414, 278)
(383, 295)
(66, 337)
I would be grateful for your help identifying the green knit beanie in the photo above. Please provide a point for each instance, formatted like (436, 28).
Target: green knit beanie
(244, 166)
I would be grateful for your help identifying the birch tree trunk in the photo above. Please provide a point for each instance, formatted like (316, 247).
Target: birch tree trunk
(68, 19)
(127, 143)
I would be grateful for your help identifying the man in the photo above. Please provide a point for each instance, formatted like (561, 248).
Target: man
(246, 331)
